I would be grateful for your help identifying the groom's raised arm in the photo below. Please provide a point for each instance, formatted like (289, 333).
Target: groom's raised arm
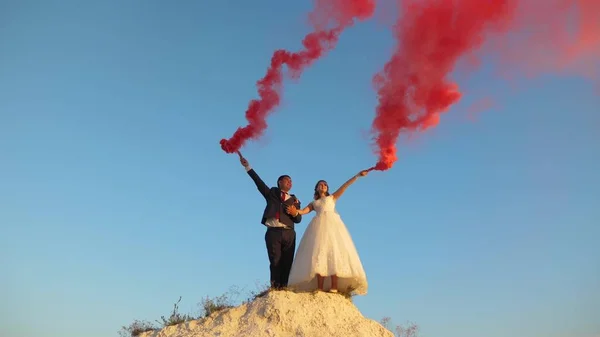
(260, 184)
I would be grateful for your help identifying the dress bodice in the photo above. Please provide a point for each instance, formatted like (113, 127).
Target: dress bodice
(326, 204)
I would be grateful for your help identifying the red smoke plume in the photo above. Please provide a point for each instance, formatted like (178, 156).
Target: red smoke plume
(414, 87)
(329, 18)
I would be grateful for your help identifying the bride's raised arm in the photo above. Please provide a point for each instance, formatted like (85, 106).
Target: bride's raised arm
(337, 194)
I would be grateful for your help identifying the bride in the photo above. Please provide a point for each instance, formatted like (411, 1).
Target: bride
(326, 250)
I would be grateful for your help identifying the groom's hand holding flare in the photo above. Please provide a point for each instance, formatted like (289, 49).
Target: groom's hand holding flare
(243, 160)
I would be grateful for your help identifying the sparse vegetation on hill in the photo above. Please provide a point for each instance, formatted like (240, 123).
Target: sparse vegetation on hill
(207, 306)
(410, 330)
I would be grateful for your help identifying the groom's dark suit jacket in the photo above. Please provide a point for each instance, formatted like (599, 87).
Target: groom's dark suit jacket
(275, 206)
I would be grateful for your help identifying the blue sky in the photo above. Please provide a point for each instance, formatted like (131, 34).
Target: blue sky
(116, 199)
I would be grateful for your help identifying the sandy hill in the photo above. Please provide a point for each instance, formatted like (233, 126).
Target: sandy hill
(283, 314)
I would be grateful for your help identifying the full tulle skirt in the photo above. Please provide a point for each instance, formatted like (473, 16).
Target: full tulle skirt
(326, 248)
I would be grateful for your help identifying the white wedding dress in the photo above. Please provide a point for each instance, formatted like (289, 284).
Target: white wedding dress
(326, 248)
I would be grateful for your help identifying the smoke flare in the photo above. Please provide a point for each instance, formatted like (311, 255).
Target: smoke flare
(414, 87)
(340, 14)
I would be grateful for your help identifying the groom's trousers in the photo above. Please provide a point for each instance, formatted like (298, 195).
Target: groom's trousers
(281, 244)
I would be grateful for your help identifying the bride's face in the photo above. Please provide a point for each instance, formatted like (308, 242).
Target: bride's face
(322, 187)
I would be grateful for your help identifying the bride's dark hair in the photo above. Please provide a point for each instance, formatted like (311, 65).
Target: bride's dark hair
(317, 195)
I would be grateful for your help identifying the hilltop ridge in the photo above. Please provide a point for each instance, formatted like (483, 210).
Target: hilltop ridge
(282, 314)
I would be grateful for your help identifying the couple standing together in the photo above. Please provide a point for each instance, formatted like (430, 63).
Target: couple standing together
(326, 257)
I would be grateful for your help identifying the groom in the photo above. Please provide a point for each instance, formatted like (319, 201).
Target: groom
(280, 236)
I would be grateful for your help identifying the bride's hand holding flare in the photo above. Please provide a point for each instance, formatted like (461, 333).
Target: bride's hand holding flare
(363, 173)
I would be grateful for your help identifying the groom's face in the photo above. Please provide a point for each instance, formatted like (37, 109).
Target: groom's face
(285, 184)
